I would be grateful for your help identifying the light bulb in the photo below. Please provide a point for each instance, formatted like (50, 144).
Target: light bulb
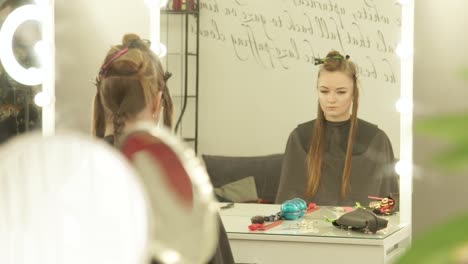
(159, 50)
(170, 256)
(404, 106)
(403, 168)
(403, 51)
(42, 99)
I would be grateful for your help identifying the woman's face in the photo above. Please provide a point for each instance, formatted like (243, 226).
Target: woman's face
(335, 93)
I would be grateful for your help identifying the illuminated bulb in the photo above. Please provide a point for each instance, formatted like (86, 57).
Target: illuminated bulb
(161, 51)
(403, 168)
(403, 51)
(404, 106)
(40, 47)
(42, 99)
(170, 256)
(152, 3)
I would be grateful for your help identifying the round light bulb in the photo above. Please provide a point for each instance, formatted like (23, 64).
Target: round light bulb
(159, 50)
(403, 168)
(40, 47)
(403, 51)
(404, 106)
(42, 99)
(170, 256)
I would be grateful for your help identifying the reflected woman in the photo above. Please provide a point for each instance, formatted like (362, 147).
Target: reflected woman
(337, 159)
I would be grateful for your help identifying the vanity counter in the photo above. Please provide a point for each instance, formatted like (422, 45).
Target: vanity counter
(310, 238)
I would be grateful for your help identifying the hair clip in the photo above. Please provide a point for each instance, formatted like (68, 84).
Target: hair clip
(106, 65)
(134, 43)
(319, 61)
(147, 42)
(336, 57)
(167, 75)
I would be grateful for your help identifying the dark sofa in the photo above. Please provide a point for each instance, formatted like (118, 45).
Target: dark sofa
(266, 171)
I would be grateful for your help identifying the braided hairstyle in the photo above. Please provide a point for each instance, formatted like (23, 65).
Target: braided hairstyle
(131, 76)
(334, 61)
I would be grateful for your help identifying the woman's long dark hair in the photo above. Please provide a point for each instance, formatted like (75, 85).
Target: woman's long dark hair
(334, 61)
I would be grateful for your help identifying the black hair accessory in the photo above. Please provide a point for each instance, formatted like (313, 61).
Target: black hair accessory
(362, 220)
(318, 61)
(167, 75)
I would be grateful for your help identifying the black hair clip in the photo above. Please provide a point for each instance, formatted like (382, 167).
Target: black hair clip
(137, 42)
(133, 44)
(319, 61)
(167, 75)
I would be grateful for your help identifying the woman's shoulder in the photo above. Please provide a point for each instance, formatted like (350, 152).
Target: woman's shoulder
(305, 127)
(369, 134)
(303, 132)
(369, 130)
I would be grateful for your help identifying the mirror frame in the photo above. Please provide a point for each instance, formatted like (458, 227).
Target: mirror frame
(404, 166)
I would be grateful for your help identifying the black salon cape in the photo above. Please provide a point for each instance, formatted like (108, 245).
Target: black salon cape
(223, 253)
(372, 169)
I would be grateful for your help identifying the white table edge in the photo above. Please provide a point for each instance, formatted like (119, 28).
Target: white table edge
(390, 240)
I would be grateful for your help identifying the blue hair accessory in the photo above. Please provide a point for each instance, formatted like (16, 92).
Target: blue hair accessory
(293, 209)
(289, 210)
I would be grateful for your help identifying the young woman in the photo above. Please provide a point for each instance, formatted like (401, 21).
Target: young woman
(337, 159)
(131, 88)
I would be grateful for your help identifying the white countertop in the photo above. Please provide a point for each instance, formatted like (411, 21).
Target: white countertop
(312, 227)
